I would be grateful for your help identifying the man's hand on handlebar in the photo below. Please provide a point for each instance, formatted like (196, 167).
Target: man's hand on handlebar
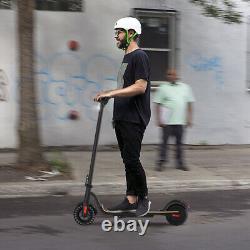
(103, 95)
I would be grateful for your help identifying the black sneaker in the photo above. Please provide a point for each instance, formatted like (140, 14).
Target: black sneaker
(182, 166)
(143, 207)
(124, 206)
(160, 165)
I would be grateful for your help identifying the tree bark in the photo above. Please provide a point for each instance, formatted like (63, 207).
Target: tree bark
(30, 153)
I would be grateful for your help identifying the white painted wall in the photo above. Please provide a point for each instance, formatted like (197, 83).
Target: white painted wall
(212, 61)
(8, 77)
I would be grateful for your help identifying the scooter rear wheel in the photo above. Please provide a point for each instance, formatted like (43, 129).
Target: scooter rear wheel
(179, 216)
(87, 218)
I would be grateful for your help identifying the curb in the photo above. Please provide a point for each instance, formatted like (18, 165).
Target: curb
(60, 188)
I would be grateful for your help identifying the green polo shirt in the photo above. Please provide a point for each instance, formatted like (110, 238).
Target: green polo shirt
(175, 97)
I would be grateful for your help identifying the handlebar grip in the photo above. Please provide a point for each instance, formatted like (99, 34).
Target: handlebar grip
(104, 100)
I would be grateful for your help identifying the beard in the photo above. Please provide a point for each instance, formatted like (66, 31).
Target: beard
(122, 44)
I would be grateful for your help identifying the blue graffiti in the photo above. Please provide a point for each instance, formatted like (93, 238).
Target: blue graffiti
(66, 81)
(208, 64)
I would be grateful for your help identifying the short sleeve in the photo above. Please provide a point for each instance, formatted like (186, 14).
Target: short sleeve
(142, 66)
(190, 95)
(158, 96)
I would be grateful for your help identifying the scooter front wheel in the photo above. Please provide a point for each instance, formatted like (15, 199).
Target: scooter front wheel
(84, 217)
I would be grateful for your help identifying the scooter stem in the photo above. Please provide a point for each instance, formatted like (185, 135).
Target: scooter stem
(89, 177)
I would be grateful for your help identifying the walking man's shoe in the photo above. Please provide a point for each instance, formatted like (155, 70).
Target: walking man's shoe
(143, 206)
(160, 166)
(182, 166)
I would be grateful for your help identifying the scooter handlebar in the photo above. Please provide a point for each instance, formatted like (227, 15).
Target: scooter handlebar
(104, 100)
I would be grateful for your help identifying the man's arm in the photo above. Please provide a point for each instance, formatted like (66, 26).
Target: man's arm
(189, 114)
(158, 115)
(138, 88)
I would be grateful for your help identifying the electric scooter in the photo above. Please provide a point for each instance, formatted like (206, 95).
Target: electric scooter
(85, 212)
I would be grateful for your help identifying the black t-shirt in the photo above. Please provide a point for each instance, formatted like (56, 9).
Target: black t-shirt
(136, 109)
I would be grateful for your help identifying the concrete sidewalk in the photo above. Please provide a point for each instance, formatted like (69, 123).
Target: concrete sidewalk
(211, 168)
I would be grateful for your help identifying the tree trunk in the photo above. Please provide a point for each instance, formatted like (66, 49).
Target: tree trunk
(30, 153)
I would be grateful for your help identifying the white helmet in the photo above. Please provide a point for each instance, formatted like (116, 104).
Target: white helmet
(129, 23)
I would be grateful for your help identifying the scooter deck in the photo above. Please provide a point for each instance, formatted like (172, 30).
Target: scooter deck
(105, 210)
(131, 213)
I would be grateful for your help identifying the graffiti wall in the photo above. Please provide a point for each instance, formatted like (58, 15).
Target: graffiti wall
(8, 84)
(213, 63)
(67, 84)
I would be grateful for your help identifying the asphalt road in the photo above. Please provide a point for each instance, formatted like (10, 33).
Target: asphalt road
(217, 220)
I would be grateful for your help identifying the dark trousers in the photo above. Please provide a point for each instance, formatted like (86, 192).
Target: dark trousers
(129, 137)
(177, 132)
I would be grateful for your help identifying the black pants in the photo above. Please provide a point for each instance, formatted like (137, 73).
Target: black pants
(129, 137)
(177, 132)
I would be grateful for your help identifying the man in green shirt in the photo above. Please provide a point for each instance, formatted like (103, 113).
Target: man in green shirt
(174, 111)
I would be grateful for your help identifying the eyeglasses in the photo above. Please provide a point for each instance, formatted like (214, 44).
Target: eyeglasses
(118, 32)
